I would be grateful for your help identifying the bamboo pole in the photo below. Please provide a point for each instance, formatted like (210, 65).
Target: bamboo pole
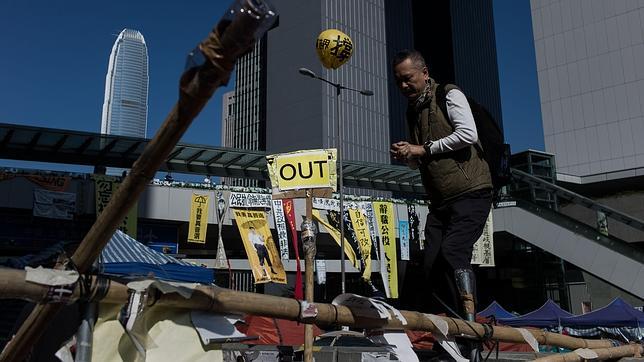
(600, 354)
(221, 300)
(226, 42)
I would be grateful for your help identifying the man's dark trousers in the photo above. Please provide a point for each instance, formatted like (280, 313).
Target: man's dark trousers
(451, 230)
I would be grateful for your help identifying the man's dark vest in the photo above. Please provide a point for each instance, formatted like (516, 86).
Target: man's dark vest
(450, 174)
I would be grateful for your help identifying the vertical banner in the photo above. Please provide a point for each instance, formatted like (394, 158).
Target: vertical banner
(414, 223)
(221, 262)
(198, 218)
(483, 251)
(403, 231)
(260, 248)
(361, 230)
(320, 270)
(385, 218)
(367, 206)
(105, 186)
(280, 226)
(289, 211)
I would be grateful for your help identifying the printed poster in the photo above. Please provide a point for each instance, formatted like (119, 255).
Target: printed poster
(54, 205)
(260, 248)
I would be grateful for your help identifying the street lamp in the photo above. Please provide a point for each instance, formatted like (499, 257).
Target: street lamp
(338, 89)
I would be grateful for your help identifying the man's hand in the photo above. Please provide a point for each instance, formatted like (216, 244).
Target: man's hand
(408, 153)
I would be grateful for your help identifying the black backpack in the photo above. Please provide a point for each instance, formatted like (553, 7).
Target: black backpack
(495, 151)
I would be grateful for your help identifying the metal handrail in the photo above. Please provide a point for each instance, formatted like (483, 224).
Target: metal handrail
(579, 199)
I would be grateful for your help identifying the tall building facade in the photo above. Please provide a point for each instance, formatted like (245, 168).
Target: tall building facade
(591, 86)
(125, 107)
(307, 107)
(244, 109)
(457, 39)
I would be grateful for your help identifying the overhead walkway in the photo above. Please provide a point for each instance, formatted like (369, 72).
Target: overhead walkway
(607, 257)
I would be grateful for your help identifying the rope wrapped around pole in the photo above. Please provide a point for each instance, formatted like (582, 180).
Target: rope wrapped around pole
(229, 40)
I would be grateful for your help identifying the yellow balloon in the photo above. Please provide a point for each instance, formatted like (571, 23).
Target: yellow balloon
(334, 48)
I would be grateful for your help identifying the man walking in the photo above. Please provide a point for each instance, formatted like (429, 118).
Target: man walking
(444, 146)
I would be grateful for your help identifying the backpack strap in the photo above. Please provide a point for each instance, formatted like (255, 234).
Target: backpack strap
(441, 98)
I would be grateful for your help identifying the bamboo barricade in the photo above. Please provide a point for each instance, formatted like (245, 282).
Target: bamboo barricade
(629, 350)
(222, 300)
(230, 39)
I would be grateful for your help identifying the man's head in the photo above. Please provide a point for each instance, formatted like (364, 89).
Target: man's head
(411, 73)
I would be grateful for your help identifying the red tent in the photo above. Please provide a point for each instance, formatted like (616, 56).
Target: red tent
(274, 331)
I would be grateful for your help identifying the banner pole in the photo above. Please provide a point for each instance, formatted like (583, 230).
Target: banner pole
(309, 295)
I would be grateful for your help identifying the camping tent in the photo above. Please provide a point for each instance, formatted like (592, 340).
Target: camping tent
(495, 310)
(125, 256)
(616, 314)
(548, 315)
(617, 319)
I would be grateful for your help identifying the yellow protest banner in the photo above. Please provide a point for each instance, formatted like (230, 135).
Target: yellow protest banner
(385, 218)
(198, 218)
(335, 234)
(361, 228)
(301, 170)
(260, 247)
(105, 186)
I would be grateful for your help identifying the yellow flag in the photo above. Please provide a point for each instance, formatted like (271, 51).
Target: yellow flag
(385, 217)
(361, 228)
(260, 247)
(198, 219)
(335, 233)
(105, 186)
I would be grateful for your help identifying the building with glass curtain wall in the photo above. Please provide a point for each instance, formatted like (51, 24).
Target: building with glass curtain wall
(125, 108)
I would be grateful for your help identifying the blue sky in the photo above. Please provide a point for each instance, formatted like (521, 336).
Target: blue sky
(55, 54)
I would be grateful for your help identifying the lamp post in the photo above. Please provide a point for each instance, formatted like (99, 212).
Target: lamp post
(338, 90)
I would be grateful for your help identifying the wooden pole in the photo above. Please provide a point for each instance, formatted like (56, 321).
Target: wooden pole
(309, 294)
(600, 354)
(227, 41)
(221, 300)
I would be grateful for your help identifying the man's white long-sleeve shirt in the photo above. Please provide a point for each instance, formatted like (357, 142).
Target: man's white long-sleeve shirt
(460, 115)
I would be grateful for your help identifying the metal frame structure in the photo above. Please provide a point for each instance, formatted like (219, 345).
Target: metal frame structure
(28, 143)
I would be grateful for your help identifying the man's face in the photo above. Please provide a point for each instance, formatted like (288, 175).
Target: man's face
(410, 78)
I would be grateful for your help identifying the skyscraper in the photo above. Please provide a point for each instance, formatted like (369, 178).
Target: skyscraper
(306, 107)
(244, 109)
(591, 86)
(459, 46)
(125, 107)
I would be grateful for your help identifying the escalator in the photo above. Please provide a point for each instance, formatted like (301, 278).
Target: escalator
(535, 217)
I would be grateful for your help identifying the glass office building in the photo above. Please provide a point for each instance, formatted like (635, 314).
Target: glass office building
(125, 108)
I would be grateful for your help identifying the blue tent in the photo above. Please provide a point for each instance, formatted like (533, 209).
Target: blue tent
(495, 309)
(125, 256)
(548, 316)
(616, 314)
